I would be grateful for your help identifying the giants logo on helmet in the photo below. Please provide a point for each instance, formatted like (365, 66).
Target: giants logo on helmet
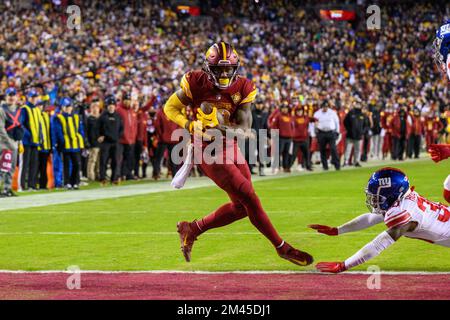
(384, 182)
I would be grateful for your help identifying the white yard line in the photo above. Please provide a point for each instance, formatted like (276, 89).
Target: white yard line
(41, 200)
(253, 272)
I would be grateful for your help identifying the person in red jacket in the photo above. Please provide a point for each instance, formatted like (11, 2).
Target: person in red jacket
(417, 131)
(401, 130)
(164, 128)
(386, 118)
(301, 137)
(284, 123)
(128, 112)
(141, 140)
(433, 126)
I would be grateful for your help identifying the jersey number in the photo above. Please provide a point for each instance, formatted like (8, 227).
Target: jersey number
(435, 207)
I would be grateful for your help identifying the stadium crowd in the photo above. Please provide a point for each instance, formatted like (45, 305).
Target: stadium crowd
(92, 97)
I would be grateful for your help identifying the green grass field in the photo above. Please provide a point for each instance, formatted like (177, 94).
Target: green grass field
(139, 232)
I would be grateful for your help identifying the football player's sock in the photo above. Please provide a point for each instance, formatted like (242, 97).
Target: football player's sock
(224, 215)
(256, 213)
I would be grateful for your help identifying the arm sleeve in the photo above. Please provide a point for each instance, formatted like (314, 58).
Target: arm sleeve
(250, 92)
(364, 221)
(175, 110)
(370, 250)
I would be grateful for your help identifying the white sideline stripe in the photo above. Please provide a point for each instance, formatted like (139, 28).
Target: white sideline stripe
(255, 272)
(171, 233)
(41, 200)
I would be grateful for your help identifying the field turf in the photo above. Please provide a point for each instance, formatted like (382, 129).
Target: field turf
(139, 232)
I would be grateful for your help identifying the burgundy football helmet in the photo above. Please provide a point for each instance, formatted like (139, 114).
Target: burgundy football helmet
(221, 64)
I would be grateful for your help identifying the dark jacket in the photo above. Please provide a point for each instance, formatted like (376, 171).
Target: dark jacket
(354, 124)
(110, 126)
(376, 120)
(259, 119)
(93, 131)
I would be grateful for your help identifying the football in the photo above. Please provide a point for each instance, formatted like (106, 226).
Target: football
(223, 115)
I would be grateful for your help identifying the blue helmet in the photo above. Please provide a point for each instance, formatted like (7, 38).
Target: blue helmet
(441, 45)
(384, 188)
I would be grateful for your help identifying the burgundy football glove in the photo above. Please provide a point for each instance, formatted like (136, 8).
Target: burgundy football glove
(439, 152)
(333, 267)
(331, 231)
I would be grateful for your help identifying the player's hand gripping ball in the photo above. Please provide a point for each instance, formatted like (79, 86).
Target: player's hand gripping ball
(212, 117)
(207, 114)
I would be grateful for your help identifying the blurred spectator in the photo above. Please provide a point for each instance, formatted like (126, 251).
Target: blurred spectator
(327, 131)
(11, 133)
(46, 143)
(110, 129)
(69, 132)
(152, 142)
(164, 128)
(31, 140)
(401, 131)
(366, 133)
(354, 126)
(417, 131)
(376, 142)
(141, 149)
(92, 133)
(127, 111)
(283, 122)
(301, 137)
(260, 118)
(433, 125)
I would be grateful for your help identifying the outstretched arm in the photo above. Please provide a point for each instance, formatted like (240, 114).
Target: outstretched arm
(369, 251)
(364, 221)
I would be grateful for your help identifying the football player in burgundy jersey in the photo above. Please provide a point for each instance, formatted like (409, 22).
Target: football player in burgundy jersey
(219, 85)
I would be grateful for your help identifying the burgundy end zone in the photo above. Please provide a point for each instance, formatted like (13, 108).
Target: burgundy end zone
(221, 286)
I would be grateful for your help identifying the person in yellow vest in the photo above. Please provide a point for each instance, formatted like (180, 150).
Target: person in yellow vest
(69, 133)
(29, 118)
(46, 143)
